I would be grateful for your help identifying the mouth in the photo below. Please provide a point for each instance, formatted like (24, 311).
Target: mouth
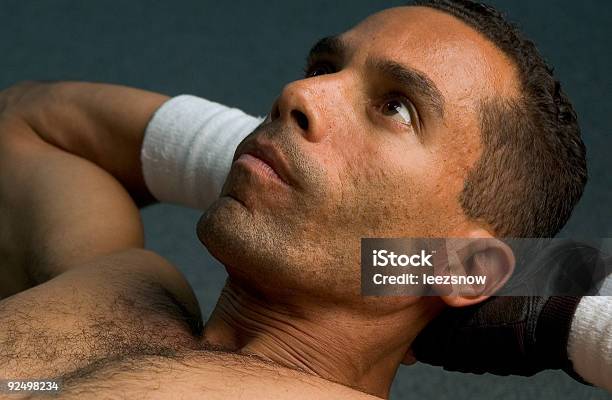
(265, 160)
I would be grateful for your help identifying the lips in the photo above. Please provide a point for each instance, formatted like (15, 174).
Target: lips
(272, 158)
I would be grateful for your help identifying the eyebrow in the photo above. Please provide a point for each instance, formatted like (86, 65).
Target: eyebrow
(412, 79)
(330, 45)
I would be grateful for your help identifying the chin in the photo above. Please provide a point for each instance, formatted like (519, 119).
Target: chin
(217, 228)
(240, 240)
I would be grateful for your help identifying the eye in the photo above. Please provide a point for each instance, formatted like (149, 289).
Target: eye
(317, 69)
(399, 109)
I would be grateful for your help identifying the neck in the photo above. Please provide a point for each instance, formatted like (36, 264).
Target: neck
(325, 340)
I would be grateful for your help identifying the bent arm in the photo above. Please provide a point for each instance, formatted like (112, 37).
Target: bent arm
(69, 161)
(102, 123)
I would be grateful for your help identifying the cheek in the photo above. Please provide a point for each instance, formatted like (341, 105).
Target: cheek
(453, 160)
(380, 192)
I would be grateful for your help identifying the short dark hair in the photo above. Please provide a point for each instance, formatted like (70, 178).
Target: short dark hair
(532, 170)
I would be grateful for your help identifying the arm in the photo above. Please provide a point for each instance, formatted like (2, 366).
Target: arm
(69, 160)
(101, 123)
(68, 152)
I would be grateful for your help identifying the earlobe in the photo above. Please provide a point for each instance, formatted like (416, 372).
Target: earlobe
(484, 256)
(409, 358)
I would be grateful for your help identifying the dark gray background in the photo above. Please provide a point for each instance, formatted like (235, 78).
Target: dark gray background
(242, 52)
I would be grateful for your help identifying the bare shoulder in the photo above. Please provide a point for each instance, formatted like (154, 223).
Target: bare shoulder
(202, 374)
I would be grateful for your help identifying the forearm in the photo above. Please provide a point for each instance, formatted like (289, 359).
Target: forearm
(102, 123)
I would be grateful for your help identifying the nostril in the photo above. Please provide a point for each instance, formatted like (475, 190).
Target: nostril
(300, 118)
(275, 112)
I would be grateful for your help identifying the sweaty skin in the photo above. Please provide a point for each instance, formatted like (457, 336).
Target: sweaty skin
(361, 155)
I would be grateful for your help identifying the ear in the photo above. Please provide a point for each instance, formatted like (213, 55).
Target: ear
(480, 254)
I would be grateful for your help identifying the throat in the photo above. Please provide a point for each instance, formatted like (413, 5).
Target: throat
(319, 340)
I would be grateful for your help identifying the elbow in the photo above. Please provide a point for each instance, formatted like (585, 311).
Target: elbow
(20, 105)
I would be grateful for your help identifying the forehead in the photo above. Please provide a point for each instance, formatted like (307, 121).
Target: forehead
(461, 62)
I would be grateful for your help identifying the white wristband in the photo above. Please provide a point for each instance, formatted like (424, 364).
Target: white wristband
(590, 340)
(188, 148)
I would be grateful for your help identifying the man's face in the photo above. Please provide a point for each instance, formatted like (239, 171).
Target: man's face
(376, 142)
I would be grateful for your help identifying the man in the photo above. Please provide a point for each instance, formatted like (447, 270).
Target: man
(411, 124)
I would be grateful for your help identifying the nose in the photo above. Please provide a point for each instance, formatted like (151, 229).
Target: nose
(300, 104)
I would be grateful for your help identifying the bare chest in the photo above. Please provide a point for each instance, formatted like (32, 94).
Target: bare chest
(201, 374)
